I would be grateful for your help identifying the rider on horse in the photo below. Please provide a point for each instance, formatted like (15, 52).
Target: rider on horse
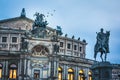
(101, 39)
(102, 44)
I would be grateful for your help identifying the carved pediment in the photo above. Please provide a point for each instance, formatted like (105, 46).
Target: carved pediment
(40, 50)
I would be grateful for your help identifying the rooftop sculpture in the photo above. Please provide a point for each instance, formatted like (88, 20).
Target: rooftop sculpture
(39, 21)
(23, 13)
(59, 30)
(40, 30)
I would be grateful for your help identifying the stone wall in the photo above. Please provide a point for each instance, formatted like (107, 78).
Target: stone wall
(17, 23)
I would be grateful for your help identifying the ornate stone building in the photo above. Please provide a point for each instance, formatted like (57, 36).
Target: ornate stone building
(116, 72)
(30, 50)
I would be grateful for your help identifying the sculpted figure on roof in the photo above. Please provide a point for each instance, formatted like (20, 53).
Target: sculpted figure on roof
(40, 21)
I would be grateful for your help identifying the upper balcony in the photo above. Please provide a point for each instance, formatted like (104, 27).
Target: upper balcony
(76, 59)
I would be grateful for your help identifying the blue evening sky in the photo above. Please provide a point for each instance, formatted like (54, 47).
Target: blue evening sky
(82, 18)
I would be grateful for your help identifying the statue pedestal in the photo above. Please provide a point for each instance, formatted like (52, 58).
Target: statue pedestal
(102, 71)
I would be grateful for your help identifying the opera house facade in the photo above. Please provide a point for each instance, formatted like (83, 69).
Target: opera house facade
(31, 50)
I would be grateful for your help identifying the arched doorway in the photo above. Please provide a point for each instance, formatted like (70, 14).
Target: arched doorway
(59, 73)
(36, 74)
(12, 71)
(70, 74)
(0, 71)
(81, 75)
(40, 67)
(90, 75)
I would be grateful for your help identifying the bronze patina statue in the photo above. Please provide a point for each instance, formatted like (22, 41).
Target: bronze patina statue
(102, 44)
(23, 13)
(39, 21)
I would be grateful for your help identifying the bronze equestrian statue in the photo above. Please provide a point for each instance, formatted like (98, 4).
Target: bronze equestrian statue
(102, 44)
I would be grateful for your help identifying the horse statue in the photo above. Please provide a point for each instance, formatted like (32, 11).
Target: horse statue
(39, 21)
(102, 44)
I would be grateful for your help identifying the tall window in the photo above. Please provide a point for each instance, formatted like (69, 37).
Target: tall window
(75, 47)
(59, 73)
(0, 70)
(68, 46)
(61, 44)
(13, 71)
(14, 39)
(80, 49)
(4, 39)
(90, 75)
(36, 74)
(81, 75)
(70, 74)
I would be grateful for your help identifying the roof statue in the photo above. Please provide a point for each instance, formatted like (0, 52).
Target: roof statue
(84, 40)
(79, 38)
(73, 37)
(39, 26)
(102, 44)
(39, 21)
(59, 30)
(65, 35)
(23, 13)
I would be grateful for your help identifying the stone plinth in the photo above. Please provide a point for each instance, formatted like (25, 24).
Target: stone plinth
(102, 71)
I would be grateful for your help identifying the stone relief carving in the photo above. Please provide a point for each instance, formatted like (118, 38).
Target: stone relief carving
(39, 63)
(40, 51)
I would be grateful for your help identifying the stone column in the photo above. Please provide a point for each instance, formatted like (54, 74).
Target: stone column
(54, 67)
(26, 67)
(5, 70)
(22, 68)
(9, 41)
(19, 41)
(76, 73)
(65, 72)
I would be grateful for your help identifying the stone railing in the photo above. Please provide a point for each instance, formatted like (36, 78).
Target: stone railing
(75, 59)
(3, 46)
(10, 47)
(62, 50)
(14, 47)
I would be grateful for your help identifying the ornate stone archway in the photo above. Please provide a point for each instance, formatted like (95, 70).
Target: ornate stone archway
(70, 74)
(40, 50)
(81, 75)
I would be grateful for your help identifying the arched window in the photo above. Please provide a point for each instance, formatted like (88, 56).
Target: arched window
(12, 71)
(81, 75)
(59, 73)
(0, 70)
(90, 75)
(70, 74)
